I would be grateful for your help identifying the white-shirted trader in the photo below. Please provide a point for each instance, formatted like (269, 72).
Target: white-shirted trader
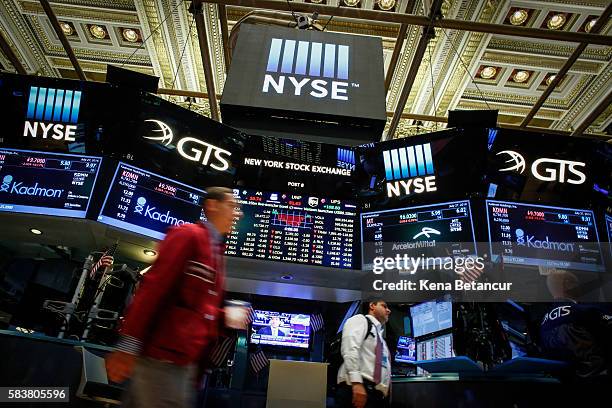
(364, 378)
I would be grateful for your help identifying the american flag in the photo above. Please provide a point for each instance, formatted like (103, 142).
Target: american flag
(105, 260)
(219, 353)
(258, 361)
(316, 322)
(471, 274)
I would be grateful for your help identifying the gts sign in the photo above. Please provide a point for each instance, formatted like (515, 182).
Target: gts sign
(312, 61)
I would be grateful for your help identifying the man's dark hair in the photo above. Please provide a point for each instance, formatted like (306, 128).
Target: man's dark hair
(365, 303)
(217, 193)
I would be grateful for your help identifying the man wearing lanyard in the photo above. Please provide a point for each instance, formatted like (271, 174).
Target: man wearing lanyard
(175, 315)
(364, 379)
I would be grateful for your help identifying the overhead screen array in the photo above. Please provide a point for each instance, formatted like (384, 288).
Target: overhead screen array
(46, 183)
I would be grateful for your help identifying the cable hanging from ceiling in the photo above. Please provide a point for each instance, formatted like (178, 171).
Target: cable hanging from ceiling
(153, 32)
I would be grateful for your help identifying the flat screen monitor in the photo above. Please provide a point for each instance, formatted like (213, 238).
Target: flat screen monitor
(609, 227)
(294, 228)
(438, 230)
(280, 329)
(406, 350)
(46, 183)
(537, 235)
(432, 316)
(147, 203)
(435, 348)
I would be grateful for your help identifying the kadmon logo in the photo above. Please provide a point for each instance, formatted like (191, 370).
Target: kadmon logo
(10, 186)
(52, 113)
(409, 170)
(317, 69)
(144, 209)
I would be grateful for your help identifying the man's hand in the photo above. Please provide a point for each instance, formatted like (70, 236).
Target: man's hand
(119, 365)
(360, 396)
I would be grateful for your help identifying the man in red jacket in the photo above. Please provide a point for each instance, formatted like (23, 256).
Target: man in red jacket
(176, 313)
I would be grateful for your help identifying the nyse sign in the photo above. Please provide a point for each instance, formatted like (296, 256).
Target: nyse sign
(47, 107)
(546, 169)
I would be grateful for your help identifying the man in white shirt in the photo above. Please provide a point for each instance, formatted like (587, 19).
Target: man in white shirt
(273, 328)
(364, 379)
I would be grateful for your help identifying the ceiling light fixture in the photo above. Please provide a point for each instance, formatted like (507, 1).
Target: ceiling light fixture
(386, 5)
(35, 231)
(130, 35)
(488, 72)
(521, 76)
(287, 277)
(519, 17)
(149, 252)
(97, 31)
(556, 22)
(351, 3)
(67, 28)
(316, 1)
(589, 26)
(550, 79)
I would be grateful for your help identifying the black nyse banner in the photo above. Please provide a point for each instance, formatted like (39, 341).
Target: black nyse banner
(304, 73)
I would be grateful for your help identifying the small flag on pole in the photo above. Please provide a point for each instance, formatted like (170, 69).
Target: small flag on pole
(219, 353)
(105, 261)
(259, 361)
(316, 322)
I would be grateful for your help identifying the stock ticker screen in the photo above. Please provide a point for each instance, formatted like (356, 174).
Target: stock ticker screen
(434, 230)
(46, 183)
(147, 203)
(294, 228)
(536, 235)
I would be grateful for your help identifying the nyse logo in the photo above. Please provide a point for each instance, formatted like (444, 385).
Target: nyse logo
(142, 208)
(191, 148)
(47, 107)
(409, 170)
(545, 169)
(346, 159)
(311, 61)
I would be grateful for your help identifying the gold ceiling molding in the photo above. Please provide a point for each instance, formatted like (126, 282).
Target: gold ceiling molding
(158, 45)
(540, 62)
(509, 110)
(401, 69)
(599, 123)
(86, 53)
(508, 98)
(127, 5)
(582, 3)
(7, 64)
(173, 49)
(337, 24)
(585, 100)
(557, 49)
(85, 14)
(215, 45)
(92, 66)
(26, 39)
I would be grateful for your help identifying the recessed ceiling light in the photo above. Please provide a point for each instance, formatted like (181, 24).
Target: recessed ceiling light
(556, 21)
(130, 35)
(521, 76)
(351, 3)
(590, 25)
(35, 231)
(386, 4)
(97, 31)
(488, 72)
(550, 79)
(149, 252)
(519, 17)
(287, 277)
(67, 28)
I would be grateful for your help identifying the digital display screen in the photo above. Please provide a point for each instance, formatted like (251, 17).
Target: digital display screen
(46, 183)
(406, 350)
(280, 329)
(536, 235)
(146, 203)
(433, 349)
(609, 226)
(294, 228)
(430, 317)
(439, 229)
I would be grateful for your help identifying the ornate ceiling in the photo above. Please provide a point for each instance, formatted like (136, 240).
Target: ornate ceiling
(460, 70)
